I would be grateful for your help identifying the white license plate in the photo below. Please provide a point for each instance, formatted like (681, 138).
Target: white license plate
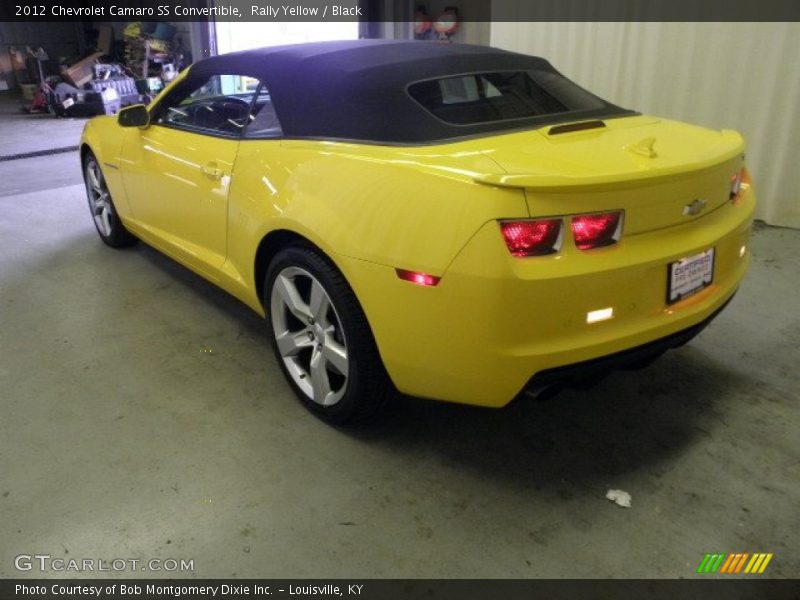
(690, 275)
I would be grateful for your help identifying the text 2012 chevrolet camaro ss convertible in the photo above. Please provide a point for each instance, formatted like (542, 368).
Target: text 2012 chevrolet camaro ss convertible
(454, 222)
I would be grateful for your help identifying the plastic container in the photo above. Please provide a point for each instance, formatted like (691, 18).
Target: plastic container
(164, 31)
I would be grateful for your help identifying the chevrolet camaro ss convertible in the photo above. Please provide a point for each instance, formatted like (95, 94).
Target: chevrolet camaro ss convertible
(454, 222)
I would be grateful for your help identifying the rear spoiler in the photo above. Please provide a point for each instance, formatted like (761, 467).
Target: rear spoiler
(549, 183)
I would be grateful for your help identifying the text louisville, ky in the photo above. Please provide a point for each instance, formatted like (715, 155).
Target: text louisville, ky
(178, 591)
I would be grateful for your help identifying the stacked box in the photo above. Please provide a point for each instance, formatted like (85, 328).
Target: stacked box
(81, 72)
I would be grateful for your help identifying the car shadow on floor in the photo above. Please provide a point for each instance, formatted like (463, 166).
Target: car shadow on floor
(631, 420)
(206, 291)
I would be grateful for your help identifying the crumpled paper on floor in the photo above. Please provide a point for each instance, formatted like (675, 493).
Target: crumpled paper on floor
(620, 497)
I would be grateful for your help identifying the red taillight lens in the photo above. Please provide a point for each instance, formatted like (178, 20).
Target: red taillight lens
(532, 238)
(595, 231)
(418, 278)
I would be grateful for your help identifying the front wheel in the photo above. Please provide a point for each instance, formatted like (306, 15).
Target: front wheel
(321, 338)
(106, 220)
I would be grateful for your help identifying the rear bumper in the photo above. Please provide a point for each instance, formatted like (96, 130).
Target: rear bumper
(588, 372)
(494, 321)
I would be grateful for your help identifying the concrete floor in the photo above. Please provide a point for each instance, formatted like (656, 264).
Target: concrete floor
(33, 132)
(22, 133)
(142, 415)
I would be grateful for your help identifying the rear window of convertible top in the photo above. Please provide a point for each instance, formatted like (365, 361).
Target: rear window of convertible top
(500, 96)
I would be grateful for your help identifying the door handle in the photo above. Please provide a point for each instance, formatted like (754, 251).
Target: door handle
(212, 170)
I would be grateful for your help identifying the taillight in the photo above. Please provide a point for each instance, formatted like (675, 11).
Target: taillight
(737, 180)
(417, 277)
(532, 238)
(595, 231)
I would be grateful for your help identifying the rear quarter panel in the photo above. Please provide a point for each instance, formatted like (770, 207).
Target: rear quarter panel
(412, 208)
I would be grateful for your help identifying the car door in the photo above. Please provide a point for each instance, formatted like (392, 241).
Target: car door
(177, 171)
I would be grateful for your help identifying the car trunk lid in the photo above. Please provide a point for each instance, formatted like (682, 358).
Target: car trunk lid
(660, 173)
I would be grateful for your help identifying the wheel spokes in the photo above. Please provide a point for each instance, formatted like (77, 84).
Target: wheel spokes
(105, 215)
(99, 199)
(320, 383)
(310, 342)
(291, 298)
(335, 355)
(318, 303)
(290, 343)
(95, 178)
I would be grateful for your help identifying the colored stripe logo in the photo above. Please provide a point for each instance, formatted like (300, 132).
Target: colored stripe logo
(732, 564)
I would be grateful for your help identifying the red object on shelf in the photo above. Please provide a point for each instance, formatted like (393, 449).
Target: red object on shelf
(422, 23)
(447, 23)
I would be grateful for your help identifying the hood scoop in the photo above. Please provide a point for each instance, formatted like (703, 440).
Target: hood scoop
(580, 126)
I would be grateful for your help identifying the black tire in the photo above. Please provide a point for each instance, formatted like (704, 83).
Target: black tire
(367, 388)
(109, 227)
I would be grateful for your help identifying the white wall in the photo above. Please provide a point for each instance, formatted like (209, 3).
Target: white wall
(742, 76)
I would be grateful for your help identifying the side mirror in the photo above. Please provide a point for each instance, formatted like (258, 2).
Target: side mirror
(134, 116)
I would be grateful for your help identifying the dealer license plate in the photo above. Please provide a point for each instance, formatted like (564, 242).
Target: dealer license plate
(690, 275)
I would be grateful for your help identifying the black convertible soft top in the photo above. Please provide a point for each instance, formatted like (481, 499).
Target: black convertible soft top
(358, 90)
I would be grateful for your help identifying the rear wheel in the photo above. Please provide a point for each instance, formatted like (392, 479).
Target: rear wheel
(321, 338)
(106, 220)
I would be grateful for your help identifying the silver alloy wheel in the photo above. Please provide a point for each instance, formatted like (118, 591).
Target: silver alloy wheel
(99, 198)
(309, 335)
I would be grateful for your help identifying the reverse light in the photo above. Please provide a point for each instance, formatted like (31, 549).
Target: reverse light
(532, 238)
(597, 230)
(417, 277)
(601, 314)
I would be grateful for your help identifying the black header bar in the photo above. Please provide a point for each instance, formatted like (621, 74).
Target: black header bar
(398, 10)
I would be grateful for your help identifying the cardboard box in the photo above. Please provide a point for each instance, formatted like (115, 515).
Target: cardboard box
(80, 73)
(28, 90)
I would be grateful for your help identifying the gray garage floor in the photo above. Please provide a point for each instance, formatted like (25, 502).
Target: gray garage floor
(143, 416)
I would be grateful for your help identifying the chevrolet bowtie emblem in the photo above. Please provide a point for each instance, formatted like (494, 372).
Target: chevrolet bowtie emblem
(695, 207)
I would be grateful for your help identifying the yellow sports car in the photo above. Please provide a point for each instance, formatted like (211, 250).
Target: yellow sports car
(454, 222)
